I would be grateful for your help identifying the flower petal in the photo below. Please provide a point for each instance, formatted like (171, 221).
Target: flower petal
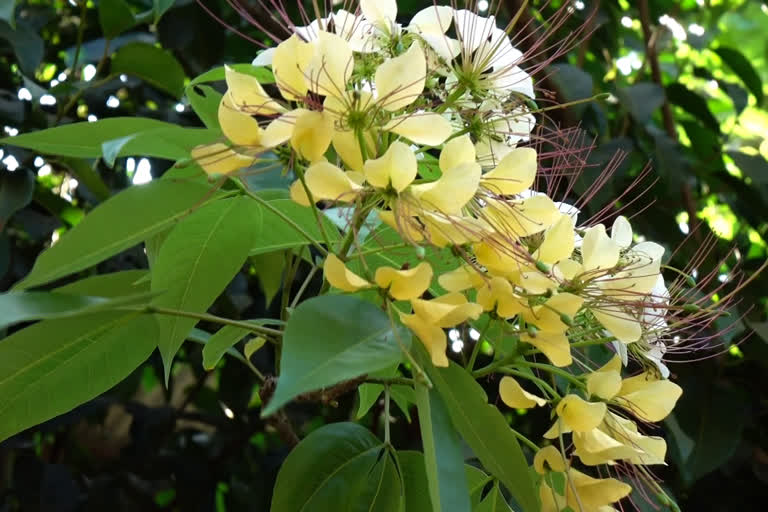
(380, 12)
(220, 159)
(396, 167)
(649, 398)
(238, 127)
(457, 151)
(451, 191)
(598, 251)
(619, 323)
(621, 232)
(558, 241)
(431, 336)
(513, 395)
(331, 65)
(460, 279)
(580, 415)
(447, 310)
(550, 456)
(515, 172)
(312, 134)
(400, 81)
(326, 181)
(290, 59)
(339, 276)
(554, 345)
(425, 128)
(247, 95)
(405, 284)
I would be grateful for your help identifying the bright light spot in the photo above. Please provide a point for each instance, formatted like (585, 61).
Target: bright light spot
(229, 413)
(113, 102)
(626, 21)
(629, 62)
(143, 172)
(722, 278)
(695, 273)
(10, 130)
(482, 6)
(678, 32)
(54, 83)
(130, 165)
(55, 234)
(578, 4)
(1, 154)
(44, 170)
(763, 7)
(39, 162)
(123, 78)
(62, 77)
(47, 99)
(457, 345)
(676, 340)
(179, 107)
(684, 228)
(682, 222)
(11, 163)
(696, 29)
(712, 85)
(92, 118)
(89, 72)
(735, 351)
(24, 94)
(737, 254)
(474, 334)
(454, 334)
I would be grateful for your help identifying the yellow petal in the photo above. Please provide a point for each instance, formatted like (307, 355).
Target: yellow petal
(558, 241)
(400, 81)
(279, 130)
(605, 382)
(432, 336)
(499, 295)
(380, 12)
(238, 127)
(596, 447)
(649, 398)
(407, 226)
(598, 251)
(513, 395)
(339, 276)
(444, 230)
(331, 65)
(451, 191)
(557, 429)
(347, 146)
(425, 128)
(405, 284)
(247, 94)
(554, 345)
(549, 318)
(220, 159)
(288, 64)
(447, 310)
(547, 459)
(460, 279)
(650, 449)
(497, 256)
(312, 134)
(514, 174)
(432, 18)
(522, 218)
(299, 194)
(580, 415)
(550, 500)
(457, 151)
(618, 322)
(396, 167)
(326, 181)
(594, 493)
(567, 269)
(533, 281)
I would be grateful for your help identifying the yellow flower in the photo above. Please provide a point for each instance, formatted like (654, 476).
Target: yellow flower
(605, 383)
(548, 459)
(550, 337)
(461, 278)
(583, 493)
(431, 336)
(311, 134)
(405, 284)
(558, 241)
(339, 276)
(515, 396)
(521, 218)
(578, 415)
(498, 295)
(648, 397)
(397, 168)
(400, 80)
(514, 174)
(220, 159)
(421, 127)
(618, 439)
(326, 181)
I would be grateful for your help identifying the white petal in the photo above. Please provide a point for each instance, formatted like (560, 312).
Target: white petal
(264, 58)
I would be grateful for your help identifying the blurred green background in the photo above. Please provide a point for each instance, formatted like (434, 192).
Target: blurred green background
(685, 92)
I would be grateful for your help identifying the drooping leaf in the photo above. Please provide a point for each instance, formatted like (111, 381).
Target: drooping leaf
(196, 262)
(442, 454)
(115, 17)
(55, 365)
(20, 307)
(692, 103)
(84, 140)
(332, 338)
(269, 267)
(152, 64)
(220, 342)
(741, 66)
(117, 224)
(169, 142)
(484, 429)
(338, 467)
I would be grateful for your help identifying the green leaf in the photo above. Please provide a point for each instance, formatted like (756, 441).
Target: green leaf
(8, 12)
(277, 234)
(117, 224)
(160, 7)
(369, 393)
(126, 282)
(20, 307)
(442, 454)
(741, 66)
(152, 64)
(27, 45)
(253, 346)
(483, 427)
(196, 262)
(16, 191)
(53, 366)
(169, 142)
(269, 269)
(641, 100)
(83, 140)
(494, 502)
(338, 467)
(262, 74)
(115, 17)
(87, 176)
(332, 338)
(219, 343)
(692, 103)
(205, 102)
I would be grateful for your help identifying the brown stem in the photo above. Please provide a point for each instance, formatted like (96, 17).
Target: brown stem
(653, 59)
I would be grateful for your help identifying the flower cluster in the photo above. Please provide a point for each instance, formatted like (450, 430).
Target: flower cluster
(427, 127)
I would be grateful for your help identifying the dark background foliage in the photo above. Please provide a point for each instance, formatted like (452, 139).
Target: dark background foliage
(685, 92)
